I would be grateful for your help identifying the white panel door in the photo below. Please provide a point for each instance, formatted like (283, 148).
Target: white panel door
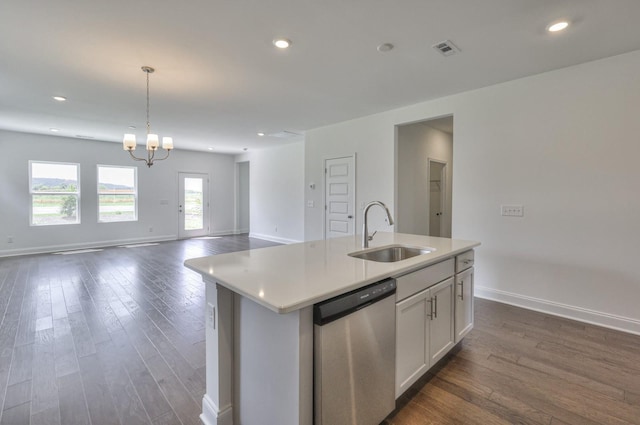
(340, 197)
(193, 205)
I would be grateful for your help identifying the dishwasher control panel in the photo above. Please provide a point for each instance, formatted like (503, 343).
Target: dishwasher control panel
(337, 307)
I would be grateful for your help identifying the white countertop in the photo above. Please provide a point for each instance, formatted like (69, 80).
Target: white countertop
(289, 277)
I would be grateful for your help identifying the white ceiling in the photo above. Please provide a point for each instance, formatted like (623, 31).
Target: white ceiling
(219, 80)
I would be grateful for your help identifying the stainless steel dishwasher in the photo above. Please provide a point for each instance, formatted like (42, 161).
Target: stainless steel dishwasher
(354, 356)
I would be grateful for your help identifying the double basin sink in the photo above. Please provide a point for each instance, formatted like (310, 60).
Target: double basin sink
(391, 253)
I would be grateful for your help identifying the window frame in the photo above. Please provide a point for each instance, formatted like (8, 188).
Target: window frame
(77, 193)
(135, 192)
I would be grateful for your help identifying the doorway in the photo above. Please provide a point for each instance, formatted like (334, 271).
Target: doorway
(193, 205)
(424, 166)
(243, 198)
(340, 196)
(437, 201)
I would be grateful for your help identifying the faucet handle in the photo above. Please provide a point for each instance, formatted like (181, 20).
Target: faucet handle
(372, 235)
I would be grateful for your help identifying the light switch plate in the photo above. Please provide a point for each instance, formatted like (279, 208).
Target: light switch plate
(512, 210)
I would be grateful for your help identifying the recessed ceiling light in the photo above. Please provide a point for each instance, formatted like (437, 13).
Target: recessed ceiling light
(557, 26)
(281, 43)
(385, 47)
(59, 98)
(55, 130)
(210, 148)
(132, 127)
(260, 134)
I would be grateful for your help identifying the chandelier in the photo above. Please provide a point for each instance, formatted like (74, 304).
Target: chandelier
(129, 141)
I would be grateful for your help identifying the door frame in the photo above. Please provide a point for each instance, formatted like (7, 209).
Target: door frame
(206, 209)
(324, 191)
(443, 194)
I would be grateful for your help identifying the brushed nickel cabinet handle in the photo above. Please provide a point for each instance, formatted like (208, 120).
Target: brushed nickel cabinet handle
(461, 283)
(435, 310)
(430, 301)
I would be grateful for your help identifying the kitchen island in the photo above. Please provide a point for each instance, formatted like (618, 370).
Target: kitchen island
(259, 333)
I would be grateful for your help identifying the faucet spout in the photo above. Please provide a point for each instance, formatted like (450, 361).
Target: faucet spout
(365, 226)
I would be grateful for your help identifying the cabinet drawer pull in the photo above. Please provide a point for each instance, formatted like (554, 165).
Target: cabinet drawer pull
(430, 300)
(461, 283)
(435, 310)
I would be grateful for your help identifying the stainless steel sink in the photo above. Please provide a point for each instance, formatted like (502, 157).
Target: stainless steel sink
(391, 253)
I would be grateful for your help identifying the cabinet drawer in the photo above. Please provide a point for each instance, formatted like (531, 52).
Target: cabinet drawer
(464, 261)
(419, 280)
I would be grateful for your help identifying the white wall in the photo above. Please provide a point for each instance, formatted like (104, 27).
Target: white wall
(565, 145)
(374, 169)
(159, 182)
(277, 192)
(417, 143)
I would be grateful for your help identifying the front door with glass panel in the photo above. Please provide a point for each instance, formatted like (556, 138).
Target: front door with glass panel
(193, 205)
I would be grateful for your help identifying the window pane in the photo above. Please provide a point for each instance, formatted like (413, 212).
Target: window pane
(54, 209)
(52, 177)
(117, 207)
(193, 196)
(55, 190)
(116, 180)
(117, 194)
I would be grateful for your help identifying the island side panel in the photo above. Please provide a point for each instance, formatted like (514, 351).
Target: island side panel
(273, 365)
(217, 403)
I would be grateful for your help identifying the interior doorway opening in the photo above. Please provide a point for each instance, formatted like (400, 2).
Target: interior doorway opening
(424, 171)
(243, 198)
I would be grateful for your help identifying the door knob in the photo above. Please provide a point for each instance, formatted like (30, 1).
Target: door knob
(349, 216)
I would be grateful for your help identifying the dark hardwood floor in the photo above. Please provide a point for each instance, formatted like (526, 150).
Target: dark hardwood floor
(522, 367)
(109, 337)
(117, 337)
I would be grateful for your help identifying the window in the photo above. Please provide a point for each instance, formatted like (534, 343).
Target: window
(55, 193)
(117, 194)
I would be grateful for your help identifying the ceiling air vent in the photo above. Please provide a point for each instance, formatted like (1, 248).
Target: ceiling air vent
(447, 48)
(284, 134)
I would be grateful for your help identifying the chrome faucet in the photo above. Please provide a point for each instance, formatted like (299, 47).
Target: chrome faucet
(365, 228)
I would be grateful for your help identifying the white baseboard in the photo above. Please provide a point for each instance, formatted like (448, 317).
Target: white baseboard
(273, 238)
(607, 320)
(224, 233)
(212, 416)
(83, 245)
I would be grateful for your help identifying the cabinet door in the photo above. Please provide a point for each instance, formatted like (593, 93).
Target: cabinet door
(412, 339)
(441, 334)
(464, 303)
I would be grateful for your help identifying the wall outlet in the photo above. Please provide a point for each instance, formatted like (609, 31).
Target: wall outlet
(310, 204)
(512, 210)
(211, 316)
(150, 229)
(9, 239)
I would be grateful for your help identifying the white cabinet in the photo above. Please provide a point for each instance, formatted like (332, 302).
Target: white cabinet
(464, 294)
(412, 339)
(464, 303)
(441, 335)
(434, 311)
(424, 325)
